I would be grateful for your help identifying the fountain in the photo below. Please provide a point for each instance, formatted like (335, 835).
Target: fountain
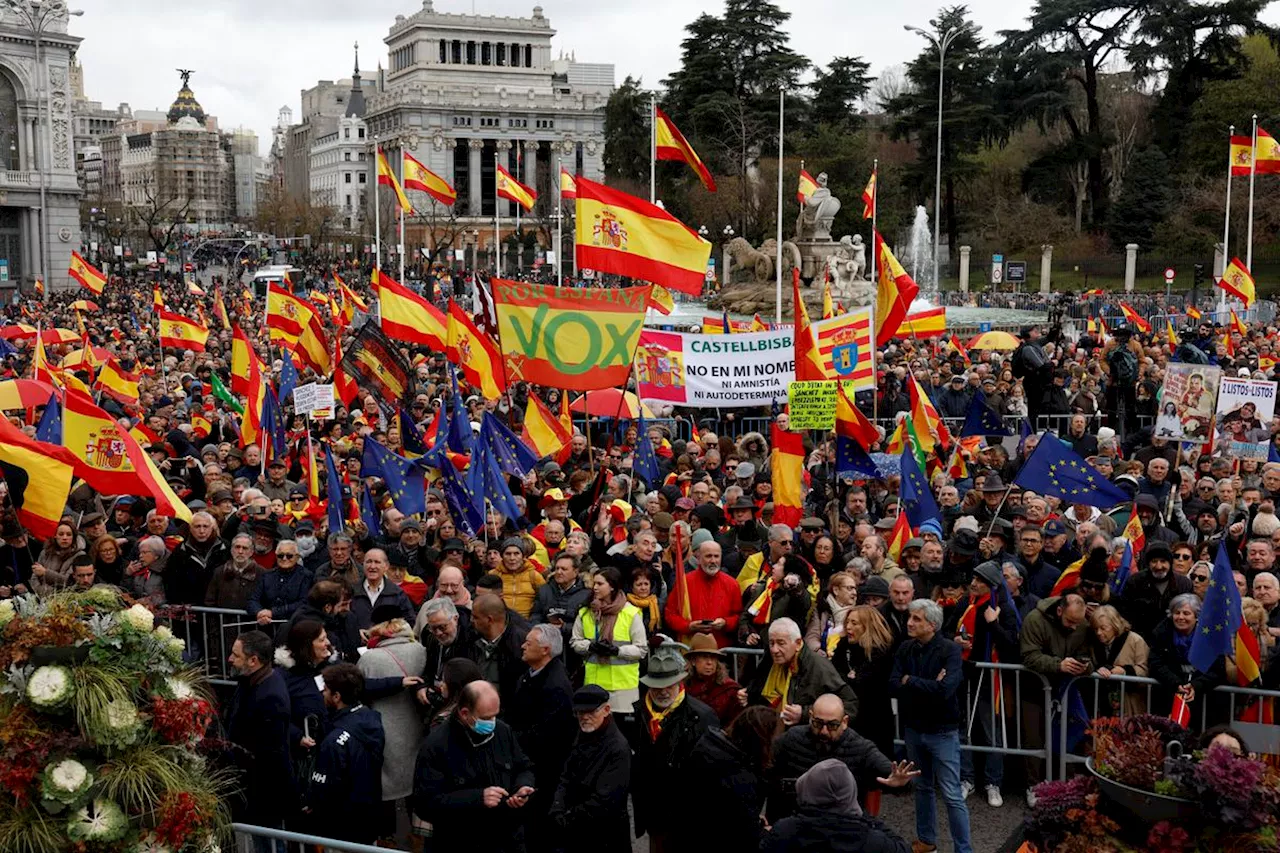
(918, 256)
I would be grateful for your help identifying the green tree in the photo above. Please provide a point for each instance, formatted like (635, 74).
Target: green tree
(838, 89)
(626, 133)
(967, 115)
(1144, 201)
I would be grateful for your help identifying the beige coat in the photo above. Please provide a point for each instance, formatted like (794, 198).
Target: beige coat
(1133, 653)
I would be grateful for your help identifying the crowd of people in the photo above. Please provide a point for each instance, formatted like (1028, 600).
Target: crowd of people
(540, 683)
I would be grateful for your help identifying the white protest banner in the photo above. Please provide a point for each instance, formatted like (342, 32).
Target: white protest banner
(322, 401)
(726, 371)
(304, 398)
(1245, 409)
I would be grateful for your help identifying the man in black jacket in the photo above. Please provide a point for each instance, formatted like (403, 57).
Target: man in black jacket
(472, 780)
(187, 574)
(589, 812)
(926, 678)
(1146, 596)
(282, 590)
(830, 819)
(378, 590)
(346, 782)
(495, 645)
(542, 719)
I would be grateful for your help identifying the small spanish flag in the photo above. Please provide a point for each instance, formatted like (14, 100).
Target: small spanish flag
(39, 287)
(805, 187)
(1089, 294)
(660, 300)
(87, 274)
(200, 426)
(1169, 333)
(419, 177)
(960, 348)
(542, 430)
(1238, 326)
(1242, 154)
(1134, 319)
(387, 178)
(869, 198)
(512, 190)
(194, 289)
(1228, 344)
(181, 332)
(157, 299)
(1238, 281)
(568, 186)
(118, 383)
(1193, 312)
(670, 144)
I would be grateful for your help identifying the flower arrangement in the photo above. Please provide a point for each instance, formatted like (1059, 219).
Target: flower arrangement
(103, 732)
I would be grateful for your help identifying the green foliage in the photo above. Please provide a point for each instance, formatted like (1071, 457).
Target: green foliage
(837, 91)
(29, 830)
(1144, 200)
(626, 133)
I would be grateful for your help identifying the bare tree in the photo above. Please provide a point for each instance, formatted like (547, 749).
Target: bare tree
(162, 214)
(442, 227)
(891, 83)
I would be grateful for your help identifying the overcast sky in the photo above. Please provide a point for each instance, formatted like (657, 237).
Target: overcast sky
(253, 56)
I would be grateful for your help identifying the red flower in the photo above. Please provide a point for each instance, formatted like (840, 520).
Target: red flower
(181, 721)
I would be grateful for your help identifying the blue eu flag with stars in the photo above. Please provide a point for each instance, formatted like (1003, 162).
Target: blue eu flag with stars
(1220, 616)
(410, 436)
(917, 498)
(459, 438)
(512, 455)
(333, 494)
(402, 476)
(1056, 470)
(645, 462)
(369, 513)
(980, 420)
(488, 484)
(50, 427)
(458, 498)
(288, 376)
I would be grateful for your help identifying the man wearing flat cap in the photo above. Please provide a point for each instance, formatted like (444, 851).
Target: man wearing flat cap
(589, 812)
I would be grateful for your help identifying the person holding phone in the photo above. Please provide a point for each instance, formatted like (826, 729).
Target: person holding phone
(714, 600)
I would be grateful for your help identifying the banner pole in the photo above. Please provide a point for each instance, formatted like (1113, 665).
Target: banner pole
(400, 207)
(1253, 171)
(1226, 224)
(559, 220)
(653, 148)
(778, 271)
(497, 235)
(377, 211)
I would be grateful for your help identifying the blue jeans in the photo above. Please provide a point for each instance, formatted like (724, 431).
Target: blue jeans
(984, 730)
(937, 757)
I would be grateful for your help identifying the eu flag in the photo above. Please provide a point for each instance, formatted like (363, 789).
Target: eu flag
(402, 476)
(457, 497)
(512, 455)
(410, 438)
(333, 494)
(50, 426)
(852, 459)
(1220, 616)
(980, 420)
(459, 438)
(1056, 470)
(487, 485)
(369, 513)
(916, 496)
(288, 375)
(276, 443)
(645, 462)
(1273, 455)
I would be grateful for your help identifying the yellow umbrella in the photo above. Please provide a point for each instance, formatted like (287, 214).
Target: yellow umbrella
(994, 340)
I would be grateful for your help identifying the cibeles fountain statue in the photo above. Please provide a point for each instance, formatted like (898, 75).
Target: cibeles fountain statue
(749, 285)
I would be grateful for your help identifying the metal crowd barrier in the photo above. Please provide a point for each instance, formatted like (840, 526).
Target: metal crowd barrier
(245, 834)
(1144, 687)
(209, 633)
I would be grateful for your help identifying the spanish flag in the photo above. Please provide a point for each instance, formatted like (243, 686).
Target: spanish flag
(286, 314)
(118, 383)
(1169, 333)
(194, 289)
(1237, 281)
(894, 295)
(758, 325)
(808, 359)
(670, 144)
(899, 537)
(960, 348)
(568, 186)
(621, 234)
(660, 300)
(220, 308)
(1089, 294)
(419, 177)
(312, 347)
(869, 198)
(344, 387)
(387, 178)
(1266, 362)
(1238, 326)
(406, 316)
(512, 190)
(926, 423)
(157, 298)
(38, 477)
(245, 363)
(542, 430)
(828, 311)
(787, 465)
(931, 323)
(1228, 344)
(110, 460)
(182, 333)
(39, 287)
(805, 187)
(87, 274)
(1242, 154)
(350, 302)
(1134, 319)
(1193, 312)
(40, 369)
(474, 352)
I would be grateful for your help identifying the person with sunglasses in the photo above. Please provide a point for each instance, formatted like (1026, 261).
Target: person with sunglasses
(1200, 574)
(1183, 557)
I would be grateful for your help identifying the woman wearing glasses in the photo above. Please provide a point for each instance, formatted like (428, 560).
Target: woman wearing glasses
(1200, 574)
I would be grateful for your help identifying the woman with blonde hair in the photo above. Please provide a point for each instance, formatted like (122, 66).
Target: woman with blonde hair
(1118, 651)
(1255, 616)
(864, 657)
(826, 626)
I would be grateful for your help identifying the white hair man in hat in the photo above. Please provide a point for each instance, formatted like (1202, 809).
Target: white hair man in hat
(589, 810)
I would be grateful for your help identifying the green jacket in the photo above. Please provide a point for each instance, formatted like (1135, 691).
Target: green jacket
(1046, 643)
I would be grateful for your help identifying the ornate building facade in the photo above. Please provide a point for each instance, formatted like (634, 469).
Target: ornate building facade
(465, 93)
(36, 235)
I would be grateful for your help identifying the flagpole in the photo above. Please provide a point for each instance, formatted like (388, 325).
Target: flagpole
(377, 212)
(400, 207)
(1226, 225)
(559, 221)
(1253, 170)
(875, 212)
(778, 271)
(497, 213)
(653, 149)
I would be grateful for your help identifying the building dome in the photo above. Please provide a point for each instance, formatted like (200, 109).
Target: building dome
(186, 105)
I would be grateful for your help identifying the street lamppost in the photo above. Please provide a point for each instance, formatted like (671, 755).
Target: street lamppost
(38, 17)
(728, 235)
(941, 44)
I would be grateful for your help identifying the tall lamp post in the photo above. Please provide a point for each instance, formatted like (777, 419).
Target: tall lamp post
(38, 17)
(941, 44)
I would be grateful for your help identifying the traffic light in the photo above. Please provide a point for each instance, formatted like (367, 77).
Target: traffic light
(1198, 278)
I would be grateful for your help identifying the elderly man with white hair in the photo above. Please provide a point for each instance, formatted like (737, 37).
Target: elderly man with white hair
(797, 677)
(926, 679)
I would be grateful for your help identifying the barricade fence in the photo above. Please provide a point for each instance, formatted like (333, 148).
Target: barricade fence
(246, 834)
(209, 633)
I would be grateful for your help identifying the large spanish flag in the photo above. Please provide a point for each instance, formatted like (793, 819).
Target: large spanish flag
(670, 144)
(406, 316)
(509, 188)
(621, 234)
(808, 359)
(931, 323)
(38, 477)
(86, 273)
(894, 296)
(787, 465)
(181, 332)
(542, 430)
(312, 348)
(474, 352)
(387, 178)
(118, 383)
(1242, 154)
(419, 177)
(244, 360)
(286, 314)
(1237, 281)
(568, 186)
(110, 460)
(805, 186)
(580, 339)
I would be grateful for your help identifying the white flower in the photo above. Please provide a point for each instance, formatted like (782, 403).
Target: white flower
(121, 727)
(283, 657)
(6, 612)
(100, 820)
(162, 632)
(68, 775)
(179, 688)
(175, 647)
(138, 617)
(121, 714)
(50, 687)
(150, 844)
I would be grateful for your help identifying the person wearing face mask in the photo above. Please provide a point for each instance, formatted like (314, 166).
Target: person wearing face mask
(1146, 596)
(589, 809)
(472, 780)
(313, 551)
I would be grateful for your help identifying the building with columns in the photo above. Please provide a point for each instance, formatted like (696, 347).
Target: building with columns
(464, 93)
(39, 193)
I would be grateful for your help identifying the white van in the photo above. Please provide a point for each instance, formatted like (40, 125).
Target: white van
(279, 275)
